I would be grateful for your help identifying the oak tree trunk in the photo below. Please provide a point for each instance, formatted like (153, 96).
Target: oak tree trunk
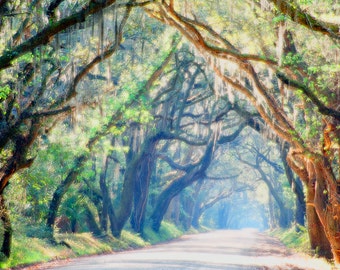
(7, 236)
(142, 185)
(193, 174)
(297, 188)
(323, 200)
(91, 222)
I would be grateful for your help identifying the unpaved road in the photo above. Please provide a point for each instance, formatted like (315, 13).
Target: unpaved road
(245, 249)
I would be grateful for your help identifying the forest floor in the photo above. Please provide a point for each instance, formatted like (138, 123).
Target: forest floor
(228, 249)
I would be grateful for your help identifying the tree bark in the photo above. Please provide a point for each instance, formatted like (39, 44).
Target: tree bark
(318, 239)
(320, 236)
(7, 236)
(297, 188)
(105, 194)
(291, 9)
(62, 189)
(142, 183)
(141, 191)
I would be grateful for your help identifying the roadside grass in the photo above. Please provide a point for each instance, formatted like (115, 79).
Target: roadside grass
(85, 244)
(31, 250)
(166, 232)
(27, 250)
(295, 238)
(133, 240)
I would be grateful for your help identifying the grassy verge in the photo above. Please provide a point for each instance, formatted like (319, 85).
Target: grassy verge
(298, 240)
(294, 238)
(30, 250)
(166, 232)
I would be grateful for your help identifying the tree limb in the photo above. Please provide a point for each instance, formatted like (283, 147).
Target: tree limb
(296, 14)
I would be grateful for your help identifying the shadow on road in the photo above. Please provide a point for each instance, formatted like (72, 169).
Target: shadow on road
(232, 250)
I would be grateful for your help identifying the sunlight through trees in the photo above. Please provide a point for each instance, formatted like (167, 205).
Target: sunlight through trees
(121, 114)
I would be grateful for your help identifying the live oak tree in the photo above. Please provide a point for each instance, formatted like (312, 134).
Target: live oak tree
(316, 166)
(40, 75)
(42, 65)
(277, 59)
(119, 216)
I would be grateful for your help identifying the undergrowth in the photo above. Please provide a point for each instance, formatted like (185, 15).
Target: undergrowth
(295, 238)
(31, 250)
(166, 232)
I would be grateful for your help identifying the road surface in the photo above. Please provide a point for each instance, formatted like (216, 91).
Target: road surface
(244, 249)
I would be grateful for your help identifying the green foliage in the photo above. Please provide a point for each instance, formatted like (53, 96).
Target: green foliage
(39, 182)
(27, 57)
(122, 92)
(292, 60)
(32, 250)
(304, 2)
(279, 18)
(4, 92)
(40, 250)
(133, 240)
(295, 237)
(85, 244)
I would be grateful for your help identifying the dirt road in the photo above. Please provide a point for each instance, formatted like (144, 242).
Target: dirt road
(245, 249)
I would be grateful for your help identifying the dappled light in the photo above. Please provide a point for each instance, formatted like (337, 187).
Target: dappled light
(244, 249)
(129, 123)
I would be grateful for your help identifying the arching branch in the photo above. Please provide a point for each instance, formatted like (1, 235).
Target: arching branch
(296, 14)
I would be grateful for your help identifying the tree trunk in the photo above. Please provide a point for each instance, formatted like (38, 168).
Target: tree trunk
(105, 194)
(95, 197)
(62, 189)
(328, 211)
(322, 204)
(318, 240)
(196, 217)
(91, 222)
(223, 215)
(142, 184)
(297, 188)
(119, 218)
(186, 213)
(284, 219)
(174, 188)
(272, 219)
(165, 198)
(200, 208)
(196, 211)
(300, 212)
(7, 236)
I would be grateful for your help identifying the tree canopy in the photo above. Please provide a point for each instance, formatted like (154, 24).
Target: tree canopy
(124, 108)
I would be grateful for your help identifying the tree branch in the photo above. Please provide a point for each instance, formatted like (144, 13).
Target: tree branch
(321, 107)
(44, 36)
(296, 14)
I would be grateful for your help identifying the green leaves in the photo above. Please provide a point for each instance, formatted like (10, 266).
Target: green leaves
(279, 18)
(291, 59)
(4, 92)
